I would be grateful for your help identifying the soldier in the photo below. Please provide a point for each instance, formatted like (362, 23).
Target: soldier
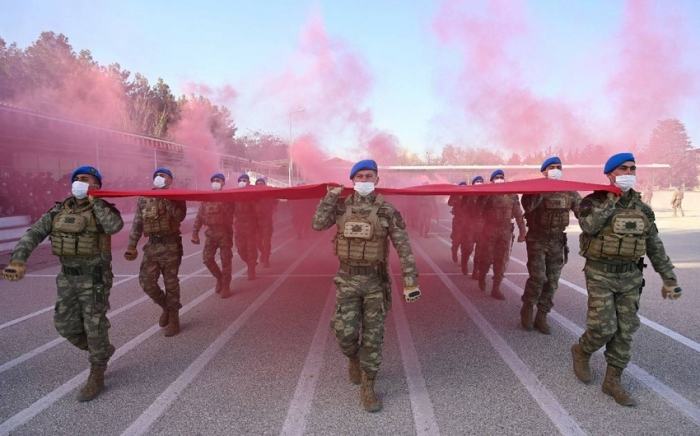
(218, 217)
(471, 228)
(547, 217)
(455, 201)
(264, 209)
(246, 226)
(617, 232)
(365, 223)
(80, 228)
(302, 211)
(677, 201)
(497, 211)
(159, 219)
(427, 209)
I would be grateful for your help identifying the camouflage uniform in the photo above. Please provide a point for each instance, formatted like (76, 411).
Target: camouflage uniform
(264, 209)
(547, 217)
(86, 276)
(471, 228)
(458, 221)
(302, 212)
(496, 240)
(677, 202)
(218, 217)
(160, 219)
(615, 236)
(364, 286)
(246, 235)
(427, 209)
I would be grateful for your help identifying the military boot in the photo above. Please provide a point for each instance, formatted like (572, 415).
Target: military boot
(541, 322)
(465, 266)
(482, 283)
(613, 386)
(174, 324)
(496, 290)
(95, 383)
(354, 369)
(369, 398)
(226, 291)
(266, 262)
(526, 316)
(454, 253)
(582, 367)
(219, 285)
(163, 320)
(251, 271)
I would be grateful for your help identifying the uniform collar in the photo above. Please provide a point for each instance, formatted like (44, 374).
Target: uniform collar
(358, 199)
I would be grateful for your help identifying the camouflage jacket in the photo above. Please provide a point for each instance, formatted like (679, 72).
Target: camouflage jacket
(246, 215)
(332, 208)
(176, 209)
(533, 203)
(596, 209)
(486, 208)
(108, 219)
(227, 210)
(265, 208)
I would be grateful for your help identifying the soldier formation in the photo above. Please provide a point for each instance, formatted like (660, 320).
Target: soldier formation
(618, 231)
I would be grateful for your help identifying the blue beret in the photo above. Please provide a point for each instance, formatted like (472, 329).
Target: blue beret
(87, 170)
(462, 183)
(477, 178)
(617, 160)
(261, 179)
(496, 173)
(367, 164)
(218, 175)
(164, 171)
(243, 176)
(550, 161)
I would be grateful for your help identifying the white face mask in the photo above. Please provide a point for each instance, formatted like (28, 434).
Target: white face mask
(499, 181)
(159, 182)
(364, 188)
(242, 184)
(79, 189)
(554, 174)
(216, 186)
(625, 182)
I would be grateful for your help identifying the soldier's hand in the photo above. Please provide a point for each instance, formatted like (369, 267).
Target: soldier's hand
(411, 294)
(195, 239)
(522, 237)
(612, 197)
(337, 190)
(14, 271)
(131, 253)
(671, 291)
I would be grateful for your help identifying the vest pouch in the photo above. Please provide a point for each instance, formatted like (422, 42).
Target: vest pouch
(64, 244)
(69, 223)
(87, 244)
(358, 230)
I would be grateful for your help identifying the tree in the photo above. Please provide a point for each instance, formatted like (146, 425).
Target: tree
(669, 143)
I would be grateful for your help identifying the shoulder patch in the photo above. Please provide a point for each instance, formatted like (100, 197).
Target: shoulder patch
(400, 223)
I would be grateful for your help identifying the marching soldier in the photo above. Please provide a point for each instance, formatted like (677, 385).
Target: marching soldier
(264, 210)
(471, 229)
(246, 226)
(455, 201)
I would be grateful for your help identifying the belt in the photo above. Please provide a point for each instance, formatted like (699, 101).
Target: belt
(612, 267)
(359, 270)
(81, 271)
(165, 239)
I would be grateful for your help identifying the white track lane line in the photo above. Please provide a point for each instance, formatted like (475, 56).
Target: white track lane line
(564, 422)
(164, 400)
(421, 404)
(300, 406)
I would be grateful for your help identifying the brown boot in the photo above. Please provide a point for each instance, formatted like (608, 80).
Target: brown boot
(465, 267)
(496, 291)
(482, 283)
(582, 367)
(266, 262)
(174, 324)
(95, 383)
(613, 386)
(369, 398)
(454, 254)
(163, 320)
(541, 322)
(354, 370)
(251, 271)
(526, 316)
(226, 293)
(219, 285)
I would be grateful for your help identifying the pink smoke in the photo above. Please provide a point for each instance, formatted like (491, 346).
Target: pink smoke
(223, 95)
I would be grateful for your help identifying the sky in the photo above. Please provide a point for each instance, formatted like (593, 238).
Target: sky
(507, 74)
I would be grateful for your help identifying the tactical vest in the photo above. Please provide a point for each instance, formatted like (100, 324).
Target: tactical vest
(156, 220)
(214, 214)
(499, 210)
(622, 238)
(74, 233)
(553, 212)
(361, 239)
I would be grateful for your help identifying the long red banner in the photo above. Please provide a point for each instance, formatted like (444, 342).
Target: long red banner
(250, 193)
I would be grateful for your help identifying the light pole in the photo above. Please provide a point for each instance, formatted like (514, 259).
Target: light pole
(290, 142)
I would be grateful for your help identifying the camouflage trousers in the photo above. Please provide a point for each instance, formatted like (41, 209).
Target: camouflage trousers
(494, 244)
(456, 234)
(359, 307)
(264, 234)
(613, 302)
(247, 243)
(218, 239)
(545, 260)
(468, 237)
(80, 313)
(162, 259)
